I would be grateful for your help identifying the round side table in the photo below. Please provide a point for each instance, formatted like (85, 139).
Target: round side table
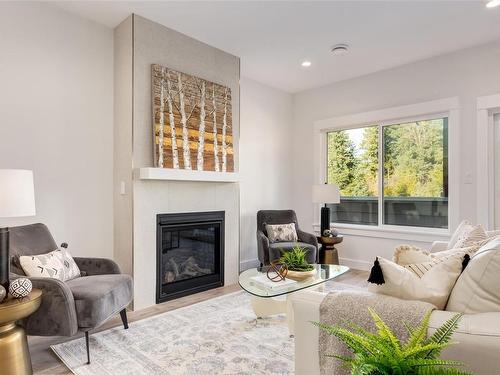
(328, 254)
(14, 353)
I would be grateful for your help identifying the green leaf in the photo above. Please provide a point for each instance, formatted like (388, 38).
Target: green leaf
(383, 354)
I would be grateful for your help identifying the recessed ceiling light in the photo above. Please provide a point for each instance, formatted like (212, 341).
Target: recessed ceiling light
(340, 49)
(492, 3)
(306, 64)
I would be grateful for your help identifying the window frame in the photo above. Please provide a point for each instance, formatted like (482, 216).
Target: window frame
(448, 107)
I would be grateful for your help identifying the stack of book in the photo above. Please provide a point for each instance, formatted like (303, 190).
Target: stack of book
(265, 282)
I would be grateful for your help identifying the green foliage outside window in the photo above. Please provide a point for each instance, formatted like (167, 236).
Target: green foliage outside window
(414, 160)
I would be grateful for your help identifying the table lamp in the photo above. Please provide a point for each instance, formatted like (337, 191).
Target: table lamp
(324, 194)
(17, 198)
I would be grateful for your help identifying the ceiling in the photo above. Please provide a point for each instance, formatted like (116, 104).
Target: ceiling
(274, 37)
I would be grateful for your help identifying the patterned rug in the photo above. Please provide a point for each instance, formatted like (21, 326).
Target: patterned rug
(218, 336)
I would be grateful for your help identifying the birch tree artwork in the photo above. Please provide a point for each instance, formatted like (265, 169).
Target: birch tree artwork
(192, 120)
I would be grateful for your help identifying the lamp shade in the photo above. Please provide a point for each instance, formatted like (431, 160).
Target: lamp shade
(325, 193)
(17, 193)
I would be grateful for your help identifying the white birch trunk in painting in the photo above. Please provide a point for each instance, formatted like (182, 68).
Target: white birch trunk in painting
(173, 136)
(216, 145)
(201, 129)
(185, 135)
(162, 121)
(224, 131)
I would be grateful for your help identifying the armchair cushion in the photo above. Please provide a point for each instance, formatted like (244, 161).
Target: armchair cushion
(99, 297)
(277, 249)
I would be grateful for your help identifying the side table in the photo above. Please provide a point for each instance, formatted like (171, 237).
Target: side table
(328, 254)
(14, 353)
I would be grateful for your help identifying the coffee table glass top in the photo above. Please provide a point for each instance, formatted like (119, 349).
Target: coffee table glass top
(254, 281)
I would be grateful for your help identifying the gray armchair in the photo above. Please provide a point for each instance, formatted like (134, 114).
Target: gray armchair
(78, 305)
(268, 251)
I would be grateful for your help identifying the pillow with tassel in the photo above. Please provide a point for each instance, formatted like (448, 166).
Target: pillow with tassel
(430, 281)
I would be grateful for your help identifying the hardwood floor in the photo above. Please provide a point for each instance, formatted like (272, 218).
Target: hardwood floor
(45, 362)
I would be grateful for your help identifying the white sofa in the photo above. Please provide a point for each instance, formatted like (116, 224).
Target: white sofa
(478, 335)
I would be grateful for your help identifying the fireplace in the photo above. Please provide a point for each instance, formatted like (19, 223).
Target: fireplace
(190, 253)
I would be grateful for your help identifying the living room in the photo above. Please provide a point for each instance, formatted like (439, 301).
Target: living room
(186, 187)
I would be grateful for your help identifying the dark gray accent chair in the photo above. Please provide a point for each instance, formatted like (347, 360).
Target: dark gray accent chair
(78, 305)
(268, 251)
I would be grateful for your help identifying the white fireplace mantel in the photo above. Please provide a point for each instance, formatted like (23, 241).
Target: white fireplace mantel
(186, 175)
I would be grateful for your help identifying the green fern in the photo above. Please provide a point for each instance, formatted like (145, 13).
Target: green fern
(295, 259)
(382, 353)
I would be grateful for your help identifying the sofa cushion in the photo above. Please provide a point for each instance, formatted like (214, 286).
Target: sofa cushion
(100, 297)
(277, 249)
(478, 288)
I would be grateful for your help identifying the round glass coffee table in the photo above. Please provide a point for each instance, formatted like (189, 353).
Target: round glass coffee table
(270, 298)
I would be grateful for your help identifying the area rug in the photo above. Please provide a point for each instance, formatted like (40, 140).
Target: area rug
(218, 336)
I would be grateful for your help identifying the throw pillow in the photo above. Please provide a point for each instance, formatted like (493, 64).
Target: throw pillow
(408, 254)
(478, 288)
(282, 232)
(475, 234)
(462, 228)
(429, 282)
(58, 264)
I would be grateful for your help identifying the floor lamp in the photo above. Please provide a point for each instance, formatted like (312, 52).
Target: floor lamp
(17, 198)
(325, 194)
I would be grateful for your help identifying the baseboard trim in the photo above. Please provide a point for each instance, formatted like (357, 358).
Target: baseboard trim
(356, 264)
(249, 263)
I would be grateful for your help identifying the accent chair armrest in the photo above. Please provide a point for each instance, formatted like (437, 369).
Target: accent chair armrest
(310, 239)
(97, 266)
(56, 315)
(263, 247)
(307, 238)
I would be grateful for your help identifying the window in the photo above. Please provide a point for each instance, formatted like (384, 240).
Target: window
(413, 168)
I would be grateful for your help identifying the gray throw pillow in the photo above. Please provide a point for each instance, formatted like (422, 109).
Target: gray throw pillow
(282, 232)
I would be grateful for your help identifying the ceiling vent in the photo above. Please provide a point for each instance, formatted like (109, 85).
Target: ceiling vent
(340, 49)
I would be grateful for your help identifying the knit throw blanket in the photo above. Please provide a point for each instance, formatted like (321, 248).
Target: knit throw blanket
(351, 306)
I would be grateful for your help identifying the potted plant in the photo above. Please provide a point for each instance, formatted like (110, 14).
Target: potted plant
(296, 263)
(384, 354)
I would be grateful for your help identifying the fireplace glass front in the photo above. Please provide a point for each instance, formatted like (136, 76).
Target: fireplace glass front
(190, 253)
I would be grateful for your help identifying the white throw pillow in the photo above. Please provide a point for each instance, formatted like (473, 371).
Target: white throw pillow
(474, 235)
(434, 284)
(408, 254)
(464, 227)
(282, 232)
(58, 264)
(478, 288)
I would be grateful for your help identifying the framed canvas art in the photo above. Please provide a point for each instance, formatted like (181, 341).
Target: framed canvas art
(192, 122)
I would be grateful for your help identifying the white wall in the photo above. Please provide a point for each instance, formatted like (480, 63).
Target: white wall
(266, 155)
(56, 118)
(467, 74)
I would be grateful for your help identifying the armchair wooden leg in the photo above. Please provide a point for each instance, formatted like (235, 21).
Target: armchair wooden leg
(123, 315)
(88, 346)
